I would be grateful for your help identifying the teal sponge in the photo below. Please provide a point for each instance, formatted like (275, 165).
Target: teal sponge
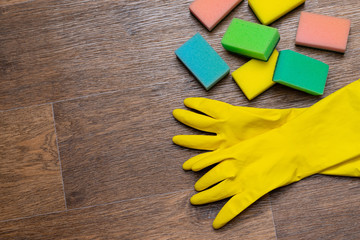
(250, 39)
(301, 72)
(203, 61)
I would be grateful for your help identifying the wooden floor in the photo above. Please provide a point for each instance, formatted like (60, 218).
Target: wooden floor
(86, 93)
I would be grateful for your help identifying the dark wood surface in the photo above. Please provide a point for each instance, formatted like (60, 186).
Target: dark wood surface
(30, 177)
(122, 140)
(100, 79)
(168, 216)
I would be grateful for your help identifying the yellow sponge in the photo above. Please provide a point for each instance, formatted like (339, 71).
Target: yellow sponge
(255, 76)
(268, 11)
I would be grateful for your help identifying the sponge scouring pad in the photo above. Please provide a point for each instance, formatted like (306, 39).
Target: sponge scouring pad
(250, 39)
(211, 12)
(301, 72)
(268, 11)
(323, 32)
(255, 76)
(203, 61)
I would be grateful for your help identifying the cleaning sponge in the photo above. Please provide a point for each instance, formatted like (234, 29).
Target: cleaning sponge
(255, 76)
(211, 12)
(323, 32)
(202, 60)
(268, 11)
(250, 39)
(301, 72)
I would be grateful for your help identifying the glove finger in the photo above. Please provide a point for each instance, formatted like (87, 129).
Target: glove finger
(210, 107)
(210, 159)
(189, 163)
(195, 120)
(216, 193)
(233, 207)
(220, 172)
(202, 142)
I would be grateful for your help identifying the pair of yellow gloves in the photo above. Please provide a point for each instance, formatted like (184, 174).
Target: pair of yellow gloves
(258, 150)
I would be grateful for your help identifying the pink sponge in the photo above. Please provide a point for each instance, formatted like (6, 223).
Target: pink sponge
(211, 12)
(323, 32)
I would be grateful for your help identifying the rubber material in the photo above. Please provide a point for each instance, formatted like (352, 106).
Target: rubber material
(286, 154)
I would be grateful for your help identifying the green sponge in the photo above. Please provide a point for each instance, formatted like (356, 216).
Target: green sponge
(250, 39)
(301, 72)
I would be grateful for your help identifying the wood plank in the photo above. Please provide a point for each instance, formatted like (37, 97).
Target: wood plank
(53, 50)
(168, 216)
(11, 2)
(320, 207)
(56, 50)
(30, 181)
(118, 146)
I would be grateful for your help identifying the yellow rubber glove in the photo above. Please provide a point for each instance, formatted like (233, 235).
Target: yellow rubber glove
(325, 135)
(233, 124)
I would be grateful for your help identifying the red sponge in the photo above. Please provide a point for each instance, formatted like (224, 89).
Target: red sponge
(324, 32)
(211, 12)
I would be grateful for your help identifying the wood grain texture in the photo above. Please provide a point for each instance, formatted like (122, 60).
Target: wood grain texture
(117, 58)
(11, 2)
(320, 207)
(53, 50)
(168, 216)
(30, 181)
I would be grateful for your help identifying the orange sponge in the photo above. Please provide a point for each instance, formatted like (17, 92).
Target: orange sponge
(211, 12)
(323, 32)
